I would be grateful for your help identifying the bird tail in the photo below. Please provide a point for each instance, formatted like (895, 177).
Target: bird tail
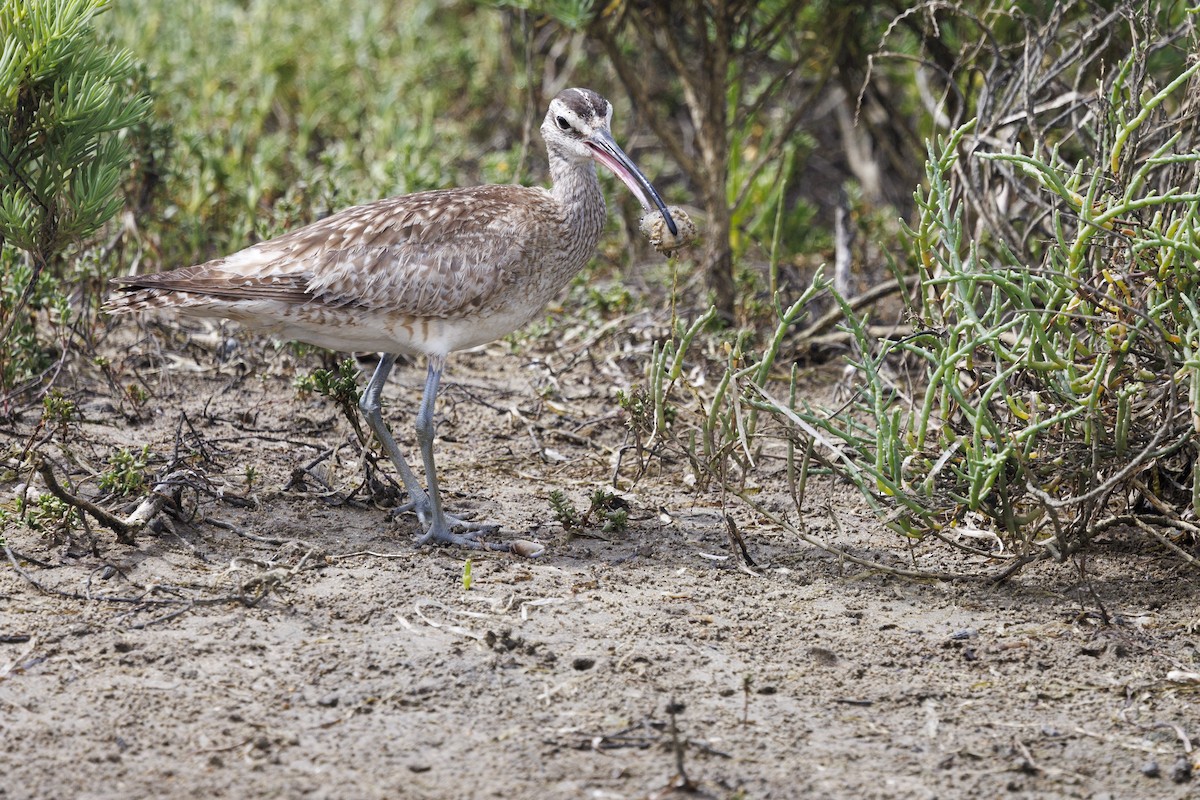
(134, 294)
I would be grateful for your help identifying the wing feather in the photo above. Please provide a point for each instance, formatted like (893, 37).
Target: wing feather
(433, 254)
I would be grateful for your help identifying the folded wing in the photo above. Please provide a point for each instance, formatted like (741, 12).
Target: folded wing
(433, 254)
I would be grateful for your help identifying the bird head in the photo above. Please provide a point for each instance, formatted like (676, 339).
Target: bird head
(578, 126)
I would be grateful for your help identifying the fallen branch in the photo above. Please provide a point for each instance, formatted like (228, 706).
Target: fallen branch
(1187, 557)
(844, 555)
(867, 298)
(847, 337)
(249, 592)
(124, 530)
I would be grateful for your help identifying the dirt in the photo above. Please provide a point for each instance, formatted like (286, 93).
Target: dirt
(290, 640)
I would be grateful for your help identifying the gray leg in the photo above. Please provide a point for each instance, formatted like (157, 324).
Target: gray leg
(373, 410)
(439, 529)
(427, 507)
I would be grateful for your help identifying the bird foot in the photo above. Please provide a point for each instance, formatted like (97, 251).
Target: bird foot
(424, 513)
(454, 530)
(469, 539)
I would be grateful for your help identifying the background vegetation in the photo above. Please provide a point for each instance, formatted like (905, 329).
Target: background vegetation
(1035, 383)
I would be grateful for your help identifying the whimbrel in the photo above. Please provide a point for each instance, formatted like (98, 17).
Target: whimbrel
(423, 274)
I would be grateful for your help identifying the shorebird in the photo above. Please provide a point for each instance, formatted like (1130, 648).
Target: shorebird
(423, 274)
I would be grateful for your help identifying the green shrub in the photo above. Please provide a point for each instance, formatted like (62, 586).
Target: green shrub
(1048, 385)
(1059, 399)
(65, 100)
(285, 111)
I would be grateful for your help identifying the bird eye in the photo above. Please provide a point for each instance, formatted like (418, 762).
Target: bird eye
(562, 123)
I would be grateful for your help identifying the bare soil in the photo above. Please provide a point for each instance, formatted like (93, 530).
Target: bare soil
(290, 640)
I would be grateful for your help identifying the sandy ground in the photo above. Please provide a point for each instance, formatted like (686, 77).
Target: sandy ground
(285, 641)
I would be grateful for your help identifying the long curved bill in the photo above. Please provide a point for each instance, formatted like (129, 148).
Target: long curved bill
(608, 153)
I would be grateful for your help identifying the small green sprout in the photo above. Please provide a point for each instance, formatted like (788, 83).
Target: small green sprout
(564, 510)
(609, 510)
(250, 476)
(341, 386)
(127, 472)
(57, 410)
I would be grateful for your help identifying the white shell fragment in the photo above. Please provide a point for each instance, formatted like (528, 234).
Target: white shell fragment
(526, 548)
(654, 227)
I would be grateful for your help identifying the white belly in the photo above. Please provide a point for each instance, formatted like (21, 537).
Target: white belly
(352, 329)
